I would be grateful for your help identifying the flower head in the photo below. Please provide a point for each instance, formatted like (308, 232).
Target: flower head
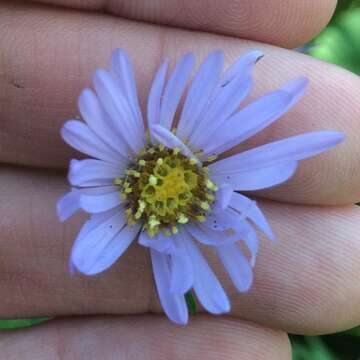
(164, 183)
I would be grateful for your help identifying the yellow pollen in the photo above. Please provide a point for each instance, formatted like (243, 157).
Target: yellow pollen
(167, 232)
(153, 222)
(182, 219)
(210, 197)
(163, 189)
(211, 158)
(210, 185)
(152, 180)
(204, 205)
(118, 181)
(132, 173)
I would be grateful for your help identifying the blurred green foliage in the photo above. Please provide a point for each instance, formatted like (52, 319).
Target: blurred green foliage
(339, 43)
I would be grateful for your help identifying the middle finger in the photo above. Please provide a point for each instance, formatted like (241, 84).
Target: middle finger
(45, 66)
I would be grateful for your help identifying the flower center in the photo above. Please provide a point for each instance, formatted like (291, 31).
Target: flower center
(163, 188)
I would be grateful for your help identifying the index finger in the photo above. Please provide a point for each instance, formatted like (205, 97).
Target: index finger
(287, 23)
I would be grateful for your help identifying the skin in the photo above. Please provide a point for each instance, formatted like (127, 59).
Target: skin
(307, 283)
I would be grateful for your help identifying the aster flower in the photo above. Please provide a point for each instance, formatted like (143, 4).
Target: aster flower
(165, 185)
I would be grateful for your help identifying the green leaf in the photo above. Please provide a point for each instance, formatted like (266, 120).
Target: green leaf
(20, 323)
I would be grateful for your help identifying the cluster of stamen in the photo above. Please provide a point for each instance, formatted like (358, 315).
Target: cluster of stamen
(163, 189)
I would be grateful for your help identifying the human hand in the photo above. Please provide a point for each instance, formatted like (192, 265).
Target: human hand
(305, 284)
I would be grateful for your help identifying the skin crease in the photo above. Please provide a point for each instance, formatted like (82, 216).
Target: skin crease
(307, 283)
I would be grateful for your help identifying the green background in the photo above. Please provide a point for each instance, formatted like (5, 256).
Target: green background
(339, 43)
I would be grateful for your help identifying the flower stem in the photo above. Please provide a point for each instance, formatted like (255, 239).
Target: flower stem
(190, 302)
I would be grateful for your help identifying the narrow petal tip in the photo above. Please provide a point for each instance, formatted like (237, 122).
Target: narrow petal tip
(297, 85)
(254, 56)
(119, 52)
(67, 205)
(333, 137)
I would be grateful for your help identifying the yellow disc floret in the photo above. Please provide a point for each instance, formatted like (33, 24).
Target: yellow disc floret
(163, 188)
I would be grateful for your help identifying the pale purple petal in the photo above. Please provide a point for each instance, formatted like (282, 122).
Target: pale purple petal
(155, 96)
(94, 221)
(100, 247)
(182, 271)
(287, 150)
(100, 202)
(99, 122)
(225, 104)
(251, 240)
(122, 70)
(68, 205)
(234, 222)
(244, 64)
(167, 138)
(90, 172)
(233, 89)
(174, 305)
(236, 265)
(116, 106)
(207, 236)
(257, 179)
(249, 209)
(223, 197)
(297, 88)
(203, 85)
(219, 228)
(256, 116)
(181, 274)
(98, 190)
(229, 221)
(223, 221)
(174, 89)
(113, 250)
(206, 285)
(248, 121)
(82, 138)
(160, 242)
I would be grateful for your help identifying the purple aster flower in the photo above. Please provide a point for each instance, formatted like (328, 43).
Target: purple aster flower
(164, 185)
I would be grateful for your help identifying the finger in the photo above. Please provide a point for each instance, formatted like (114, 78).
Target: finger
(46, 84)
(145, 337)
(307, 283)
(287, 23)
